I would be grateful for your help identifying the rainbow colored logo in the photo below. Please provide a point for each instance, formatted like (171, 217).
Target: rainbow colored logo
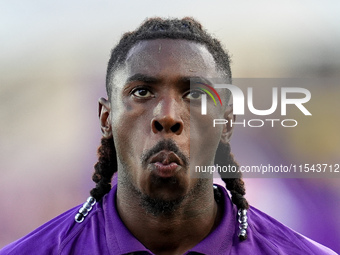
(209, 93)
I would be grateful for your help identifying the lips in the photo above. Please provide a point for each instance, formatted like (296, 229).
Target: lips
(165, 163)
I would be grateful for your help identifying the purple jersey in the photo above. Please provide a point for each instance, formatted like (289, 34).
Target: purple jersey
(103, 232)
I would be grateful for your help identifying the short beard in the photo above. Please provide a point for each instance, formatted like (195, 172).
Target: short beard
(165, 207)
(158, 206)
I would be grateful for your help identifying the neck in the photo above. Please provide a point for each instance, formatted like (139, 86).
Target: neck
(172, 233)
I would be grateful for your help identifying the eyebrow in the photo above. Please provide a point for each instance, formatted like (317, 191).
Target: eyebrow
(152, 80)
(195, 79)
(143, 78)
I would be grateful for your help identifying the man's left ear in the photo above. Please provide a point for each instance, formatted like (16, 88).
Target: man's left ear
(228, 128)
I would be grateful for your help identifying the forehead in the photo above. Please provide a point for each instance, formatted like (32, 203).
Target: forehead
(168, 58)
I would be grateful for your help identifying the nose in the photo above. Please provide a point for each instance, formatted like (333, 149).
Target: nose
(167, 117)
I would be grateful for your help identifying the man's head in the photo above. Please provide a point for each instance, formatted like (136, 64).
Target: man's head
(152, 117)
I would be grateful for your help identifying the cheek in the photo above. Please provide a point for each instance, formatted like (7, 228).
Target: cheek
(130, 127)
(204, 138)
(129, 131)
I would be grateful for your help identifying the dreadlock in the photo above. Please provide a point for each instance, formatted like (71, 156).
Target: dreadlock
(157, 28)
(235, 185)
(104, 168)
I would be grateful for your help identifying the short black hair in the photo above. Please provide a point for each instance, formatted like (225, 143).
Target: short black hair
(157, 28)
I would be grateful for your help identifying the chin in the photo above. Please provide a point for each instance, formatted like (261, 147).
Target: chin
(163, 196)
(168, 188)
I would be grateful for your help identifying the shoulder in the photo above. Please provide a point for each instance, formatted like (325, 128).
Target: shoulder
(59, 235)
(265, 230)
(46, 238)
(268, 236)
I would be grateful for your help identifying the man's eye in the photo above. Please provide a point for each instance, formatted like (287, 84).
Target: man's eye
(194, 94)
(142, 93)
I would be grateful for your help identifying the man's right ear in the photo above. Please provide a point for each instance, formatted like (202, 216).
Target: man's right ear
(104, 111)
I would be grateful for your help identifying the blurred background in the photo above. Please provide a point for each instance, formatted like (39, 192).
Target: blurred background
(53, 59)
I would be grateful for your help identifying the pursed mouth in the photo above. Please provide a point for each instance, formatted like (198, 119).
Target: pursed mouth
(165, 163)
(166, 157)
(164, 154)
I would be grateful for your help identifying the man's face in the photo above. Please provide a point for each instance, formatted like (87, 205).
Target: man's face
(153, 119)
